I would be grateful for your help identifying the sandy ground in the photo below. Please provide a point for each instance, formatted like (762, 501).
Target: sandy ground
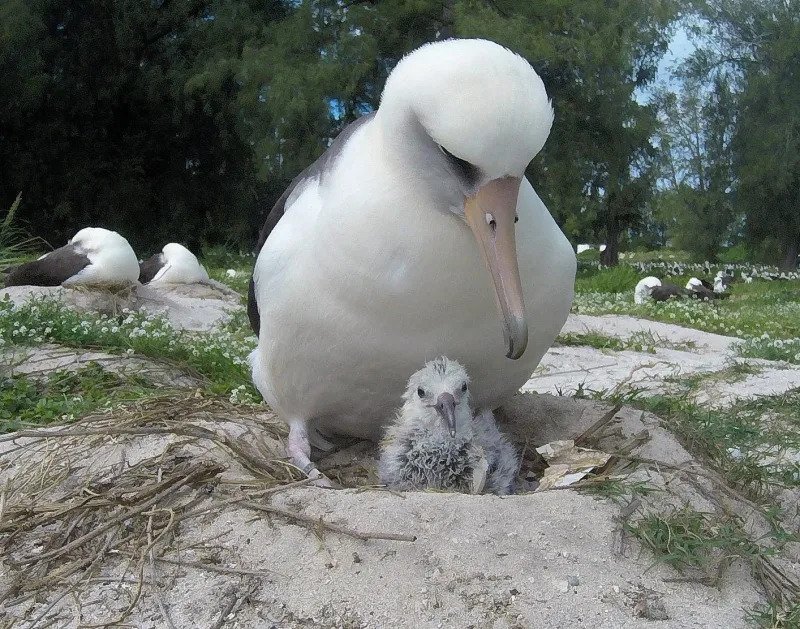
(551, 559)
(685, 352)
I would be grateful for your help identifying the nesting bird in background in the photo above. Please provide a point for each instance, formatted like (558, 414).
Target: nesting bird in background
(644, 289)
(437, 443)
(174, 265)
(93, 257)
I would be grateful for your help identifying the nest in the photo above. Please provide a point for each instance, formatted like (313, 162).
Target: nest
(115, 487)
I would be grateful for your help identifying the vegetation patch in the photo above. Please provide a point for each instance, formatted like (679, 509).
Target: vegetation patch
(768, 322)
(63, 396)
(219, 355)
(741, 442)
(642, 341)
(687, 539)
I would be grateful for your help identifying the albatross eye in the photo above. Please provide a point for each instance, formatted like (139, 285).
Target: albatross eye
(464, 388)
(421, 392)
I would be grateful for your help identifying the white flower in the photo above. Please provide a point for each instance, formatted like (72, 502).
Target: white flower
(231, 273)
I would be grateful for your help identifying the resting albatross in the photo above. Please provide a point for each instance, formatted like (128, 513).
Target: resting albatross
(94, 257)
(415, 235)
(174, 265)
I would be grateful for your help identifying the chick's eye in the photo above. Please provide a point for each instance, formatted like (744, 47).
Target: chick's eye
(421, 392)
(464, 388)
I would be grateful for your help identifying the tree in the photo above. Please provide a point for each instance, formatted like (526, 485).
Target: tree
(105, 123)
(186, 119)
(696, 170)
(759, 44)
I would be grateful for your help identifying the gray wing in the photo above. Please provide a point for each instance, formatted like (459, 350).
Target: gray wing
(316, 170)
(51, 270)
(150, 267)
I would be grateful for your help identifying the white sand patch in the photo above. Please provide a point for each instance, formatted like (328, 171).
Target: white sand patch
(566, 370)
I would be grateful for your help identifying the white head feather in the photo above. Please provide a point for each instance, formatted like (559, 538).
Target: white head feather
(693, 283)
(424, 388)
(479, 101)
(180, 267)
(644, 288)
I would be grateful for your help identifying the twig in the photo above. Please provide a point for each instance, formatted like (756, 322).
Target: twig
(173, 485)
(219, 569)
(313, 523)
(233, 606)
(140, 582)
(161, 606)
(71, 588)
(595, 427)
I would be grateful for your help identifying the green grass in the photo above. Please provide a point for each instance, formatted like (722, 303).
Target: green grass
(15, 247)
(63, 396)
(775, 616)
(591, 339)
(617, 279)
(220, 356)
(752, 428)
(687, 539)
(218, 261)
(766, 315)
(641, 341)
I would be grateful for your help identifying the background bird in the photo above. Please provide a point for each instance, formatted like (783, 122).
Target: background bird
(437, 443)
(93, 257)
(699, 290)
(415, 235)
(668, 291)
(722, 281)
(644, 289)
(174, 265)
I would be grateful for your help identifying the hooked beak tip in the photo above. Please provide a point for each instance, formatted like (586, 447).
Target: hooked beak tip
(516, 337)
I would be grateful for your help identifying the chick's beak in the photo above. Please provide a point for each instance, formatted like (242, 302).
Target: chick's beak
(491, 214)
(446, 407)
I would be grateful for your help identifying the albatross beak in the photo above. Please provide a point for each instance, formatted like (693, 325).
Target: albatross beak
(490, 215)
(446, 407)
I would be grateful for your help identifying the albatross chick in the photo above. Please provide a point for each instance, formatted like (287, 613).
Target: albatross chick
(437, 443)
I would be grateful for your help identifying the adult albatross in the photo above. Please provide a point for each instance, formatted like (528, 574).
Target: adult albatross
(415, 235)
(93, 257)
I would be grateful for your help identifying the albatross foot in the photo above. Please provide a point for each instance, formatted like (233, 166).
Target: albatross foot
(298, 449)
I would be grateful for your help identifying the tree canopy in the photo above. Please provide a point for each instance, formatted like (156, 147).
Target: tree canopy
(186, 119)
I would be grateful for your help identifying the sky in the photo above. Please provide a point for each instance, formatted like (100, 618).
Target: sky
(679, 49)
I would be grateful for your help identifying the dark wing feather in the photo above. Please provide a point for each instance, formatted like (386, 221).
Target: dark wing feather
(52, 270)
(701, 292)
(315, 170)
(668, 291)
(150, 267)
